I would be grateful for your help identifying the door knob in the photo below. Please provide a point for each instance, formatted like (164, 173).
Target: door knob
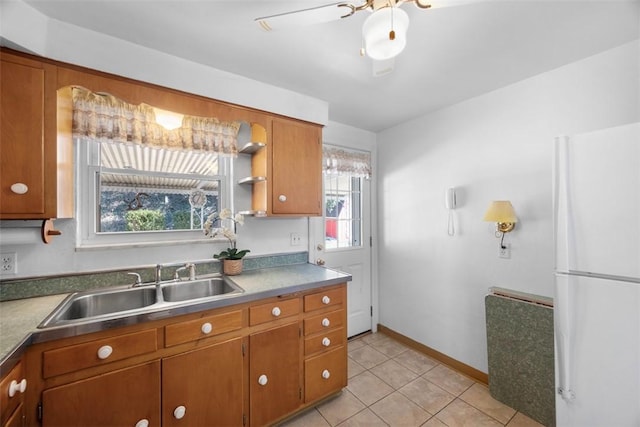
(320, 261)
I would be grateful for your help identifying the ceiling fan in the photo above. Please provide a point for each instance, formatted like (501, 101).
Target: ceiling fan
(384, 32)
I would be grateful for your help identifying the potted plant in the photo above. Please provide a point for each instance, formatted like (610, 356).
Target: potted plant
(231, 257)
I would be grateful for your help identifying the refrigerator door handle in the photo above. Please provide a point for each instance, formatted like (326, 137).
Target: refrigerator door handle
(563, 221)
(564, 300)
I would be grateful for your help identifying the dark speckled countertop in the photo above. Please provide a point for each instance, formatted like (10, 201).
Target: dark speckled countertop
(19, 319)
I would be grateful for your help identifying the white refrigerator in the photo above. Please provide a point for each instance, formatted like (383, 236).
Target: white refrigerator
(597, 294)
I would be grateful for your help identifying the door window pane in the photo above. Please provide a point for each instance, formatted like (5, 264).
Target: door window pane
(343, 212)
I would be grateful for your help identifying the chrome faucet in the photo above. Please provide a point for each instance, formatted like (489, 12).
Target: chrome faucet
(158, 273)
(188, 266)
(138, 281)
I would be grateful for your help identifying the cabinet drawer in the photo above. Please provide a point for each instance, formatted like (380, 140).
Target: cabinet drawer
(274, 310)
(329, 298)
(9, 404)
(95, 353)
(325, 374)
(204, 327)
(323, 322)
(325, 341)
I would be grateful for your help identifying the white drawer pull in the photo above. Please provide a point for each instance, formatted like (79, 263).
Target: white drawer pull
(104, 352)
(282, 198)
(179, 412)
(19, 188)
(263, 380)
(143, 423)
(326, 342)
(16, 387)
(326, 374)
(276, 311)
(326, 322)
(206, 328)
(326, 300)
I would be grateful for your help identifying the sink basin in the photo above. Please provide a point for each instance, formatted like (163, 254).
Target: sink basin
(188, 290)
(86, 307)
(92, 304)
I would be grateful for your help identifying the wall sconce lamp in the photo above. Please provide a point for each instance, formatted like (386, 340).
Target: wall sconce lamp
(502, 213)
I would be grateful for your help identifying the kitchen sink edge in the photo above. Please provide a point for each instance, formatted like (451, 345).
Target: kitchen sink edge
(257, 284)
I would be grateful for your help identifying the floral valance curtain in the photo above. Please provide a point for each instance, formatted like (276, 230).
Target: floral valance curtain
(106, 118)
(338, 161)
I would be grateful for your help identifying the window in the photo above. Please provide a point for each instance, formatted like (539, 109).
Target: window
(135, 194)
(143, 183)
(344, 172)
(343, 211)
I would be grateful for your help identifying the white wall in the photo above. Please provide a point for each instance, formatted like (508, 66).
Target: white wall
(496, 146)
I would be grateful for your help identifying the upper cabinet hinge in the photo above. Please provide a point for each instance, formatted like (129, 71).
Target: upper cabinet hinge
(300, 393)
(371, 310)
(371, 241)
(244, 419)
(242, 349)
(39, 411)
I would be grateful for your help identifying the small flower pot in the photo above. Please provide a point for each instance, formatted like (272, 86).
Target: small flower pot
(232, 267)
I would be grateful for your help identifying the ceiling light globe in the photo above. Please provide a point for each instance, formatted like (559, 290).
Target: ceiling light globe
(375, 32)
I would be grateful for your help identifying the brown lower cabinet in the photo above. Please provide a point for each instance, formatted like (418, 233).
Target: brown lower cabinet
(125, 397)
(204, 387)
(275, 388)
(251, 364)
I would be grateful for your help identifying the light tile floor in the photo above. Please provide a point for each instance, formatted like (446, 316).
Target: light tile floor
(393, 385)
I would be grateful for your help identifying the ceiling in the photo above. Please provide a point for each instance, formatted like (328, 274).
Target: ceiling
(452, 53)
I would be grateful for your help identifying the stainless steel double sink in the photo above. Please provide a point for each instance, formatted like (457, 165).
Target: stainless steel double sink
(103, 304)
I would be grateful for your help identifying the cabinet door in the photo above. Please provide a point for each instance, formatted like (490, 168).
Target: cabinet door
(119, 398)
(274, 373)
(21, 138)
(296, 168)
(208, 383)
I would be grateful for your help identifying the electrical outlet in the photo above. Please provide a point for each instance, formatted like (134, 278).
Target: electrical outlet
(505, 252)
(9, 263)
(295, 239)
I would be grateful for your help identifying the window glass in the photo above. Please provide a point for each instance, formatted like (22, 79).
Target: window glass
(343, 211)
(133, 193)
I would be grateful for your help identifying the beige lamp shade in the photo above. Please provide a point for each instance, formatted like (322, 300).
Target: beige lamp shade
(502, 213)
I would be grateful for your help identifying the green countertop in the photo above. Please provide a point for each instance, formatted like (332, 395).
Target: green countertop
(19, 319)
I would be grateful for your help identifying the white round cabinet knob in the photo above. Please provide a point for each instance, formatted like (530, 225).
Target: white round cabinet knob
(326, 300)
(263, 380)
(143, 423)
(282, 198)
(326, 322)
(206, 328)
(326, 374)
(276, 311)
(179, 412)
(326, 342)
(104, 352)
(16, 387)
(19, 188)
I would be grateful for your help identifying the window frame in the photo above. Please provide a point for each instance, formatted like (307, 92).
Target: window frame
(87, 213)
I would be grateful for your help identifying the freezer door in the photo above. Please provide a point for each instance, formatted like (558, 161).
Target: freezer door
(597, 324)
(597, 202)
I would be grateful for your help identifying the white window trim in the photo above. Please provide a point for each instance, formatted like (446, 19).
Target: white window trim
(86, 211)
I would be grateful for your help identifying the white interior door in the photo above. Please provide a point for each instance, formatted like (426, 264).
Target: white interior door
(341, 240)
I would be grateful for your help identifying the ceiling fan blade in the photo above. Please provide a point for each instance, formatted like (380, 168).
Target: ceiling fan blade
(313, 15)
(426, 4)
(382, 67)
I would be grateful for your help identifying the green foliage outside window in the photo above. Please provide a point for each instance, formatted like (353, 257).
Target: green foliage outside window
(144, 220)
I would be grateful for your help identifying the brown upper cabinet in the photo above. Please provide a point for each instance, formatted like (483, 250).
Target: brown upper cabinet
(37, 149)
(287, 172)
(36, 163)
